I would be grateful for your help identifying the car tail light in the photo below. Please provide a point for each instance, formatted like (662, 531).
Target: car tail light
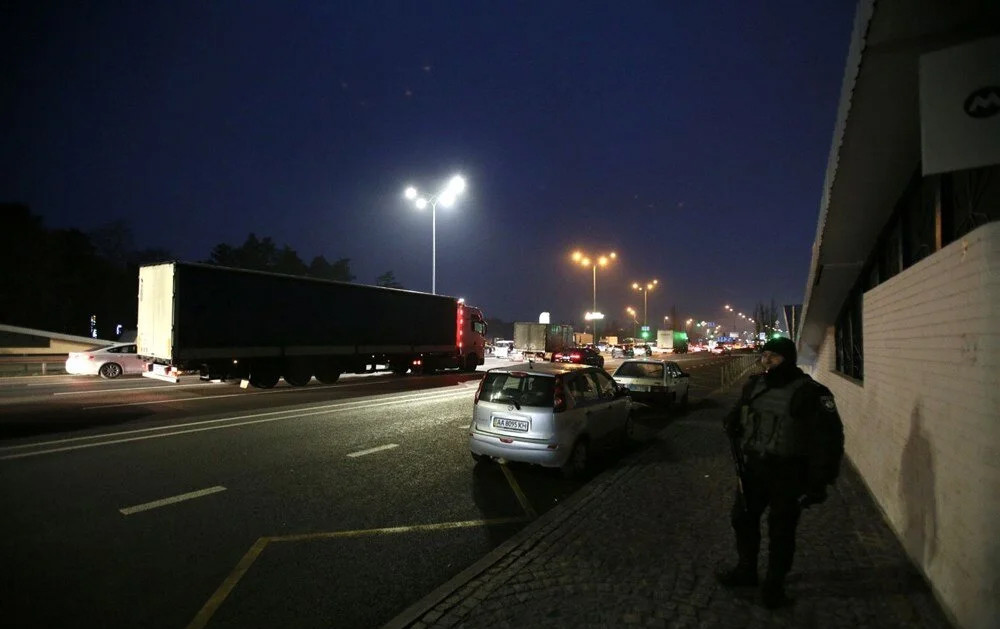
(575, 356)
(559, 397)
(557, 356)
(479, 391)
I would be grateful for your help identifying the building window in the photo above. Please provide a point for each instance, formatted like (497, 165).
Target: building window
(919, 214)
(969, 198)
(848, 337)
(890, 259)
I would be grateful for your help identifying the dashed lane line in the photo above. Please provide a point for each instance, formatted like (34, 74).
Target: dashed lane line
(146, 506)
(201, 398)
(388, 446)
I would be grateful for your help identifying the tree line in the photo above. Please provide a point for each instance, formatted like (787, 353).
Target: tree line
(57, 279)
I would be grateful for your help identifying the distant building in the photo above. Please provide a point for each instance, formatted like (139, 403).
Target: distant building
(902, 312)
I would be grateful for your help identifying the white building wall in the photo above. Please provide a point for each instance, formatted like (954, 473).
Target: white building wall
(923, 428)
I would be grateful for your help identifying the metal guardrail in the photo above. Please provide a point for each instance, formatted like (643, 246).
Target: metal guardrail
(735, 370)
(32, 365)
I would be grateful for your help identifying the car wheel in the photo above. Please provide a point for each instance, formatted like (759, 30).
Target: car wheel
(110, 371)
(629, 434)
(684, 401)
(600, 362)
(579, 460)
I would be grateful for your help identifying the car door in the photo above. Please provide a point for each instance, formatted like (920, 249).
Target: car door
(616, 407)
(131, 361)
(587, 403)
(677, 384)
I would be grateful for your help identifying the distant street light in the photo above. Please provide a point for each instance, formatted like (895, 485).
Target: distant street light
(644, 290)
(600, 260)
(446, 197)
(635, 330)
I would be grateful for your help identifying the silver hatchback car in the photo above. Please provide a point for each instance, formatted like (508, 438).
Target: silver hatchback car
(550, 414)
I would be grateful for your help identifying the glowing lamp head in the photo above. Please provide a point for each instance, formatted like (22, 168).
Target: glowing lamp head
(421, 203)
(456, 185)
(410, 193)
(447, 199)
(577, 256)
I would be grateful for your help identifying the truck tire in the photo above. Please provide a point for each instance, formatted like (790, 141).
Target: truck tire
(471, 362)
(298, 379)
(298, 373)
(327, 375)
(264, 378)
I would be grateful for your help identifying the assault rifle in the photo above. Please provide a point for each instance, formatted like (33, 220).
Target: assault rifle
(737, 453)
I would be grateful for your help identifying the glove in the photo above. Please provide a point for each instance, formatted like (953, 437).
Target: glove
(812, 497)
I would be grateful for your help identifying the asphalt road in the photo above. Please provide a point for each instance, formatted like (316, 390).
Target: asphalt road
(138, 503)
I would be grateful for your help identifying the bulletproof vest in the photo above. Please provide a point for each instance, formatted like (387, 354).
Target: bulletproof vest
(768, 425)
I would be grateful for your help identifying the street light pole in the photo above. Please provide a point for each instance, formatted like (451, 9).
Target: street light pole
(447, 197)
(598, 260)
(645, 290)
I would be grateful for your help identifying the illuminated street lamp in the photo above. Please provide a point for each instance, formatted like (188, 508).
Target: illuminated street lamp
(593, 261)
(644, 290)
(734, 316)
(635, 330)
(446, 197)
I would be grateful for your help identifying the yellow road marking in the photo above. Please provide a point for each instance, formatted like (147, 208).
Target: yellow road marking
(205, 613)
(441, 526)
(521, 498)
(215, 601)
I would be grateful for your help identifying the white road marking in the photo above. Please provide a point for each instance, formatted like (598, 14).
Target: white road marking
(165, 387)
(388, 446)
(202, 427)
(172, 500)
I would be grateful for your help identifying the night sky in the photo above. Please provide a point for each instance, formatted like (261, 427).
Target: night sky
(689, 137)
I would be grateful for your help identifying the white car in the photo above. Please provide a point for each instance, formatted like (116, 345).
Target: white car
(652, 381)
(108, 362)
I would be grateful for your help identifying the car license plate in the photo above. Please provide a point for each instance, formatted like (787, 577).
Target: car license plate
(520, 425)
(644, 388)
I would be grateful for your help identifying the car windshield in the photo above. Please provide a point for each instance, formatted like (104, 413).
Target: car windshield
(523, 389)
(640, 370)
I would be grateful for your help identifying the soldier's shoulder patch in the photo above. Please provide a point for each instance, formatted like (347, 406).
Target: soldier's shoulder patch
(828, 403)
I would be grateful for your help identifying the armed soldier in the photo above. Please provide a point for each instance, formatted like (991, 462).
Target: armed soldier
(787, 434)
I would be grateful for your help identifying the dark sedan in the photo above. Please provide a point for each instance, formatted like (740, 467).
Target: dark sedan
(579, 355)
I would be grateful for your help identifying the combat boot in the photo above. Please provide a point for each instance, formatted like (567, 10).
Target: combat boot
(739, 576)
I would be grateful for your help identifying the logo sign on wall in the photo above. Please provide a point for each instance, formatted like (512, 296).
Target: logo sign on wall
(960, 107)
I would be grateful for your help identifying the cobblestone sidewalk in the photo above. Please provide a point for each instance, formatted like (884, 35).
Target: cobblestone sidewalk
(639, 546)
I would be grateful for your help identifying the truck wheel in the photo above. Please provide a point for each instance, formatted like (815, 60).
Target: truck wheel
(298, 379)
(263, 378)
(470, 363)
(110, 371)
(327, 375)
